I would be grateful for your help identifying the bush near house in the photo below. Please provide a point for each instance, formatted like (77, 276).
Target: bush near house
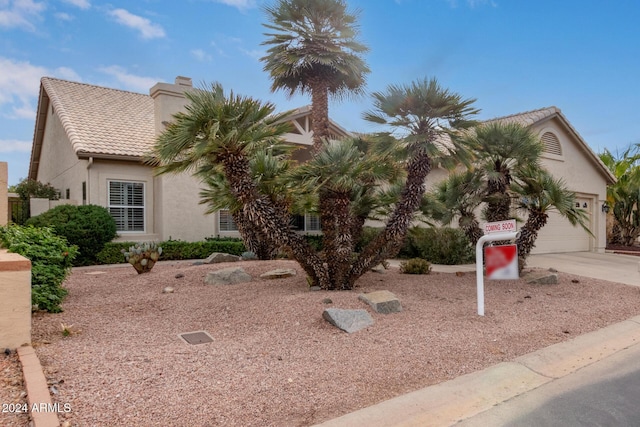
(445, 245)
(174, 250)
(89, 227)
(51, 259)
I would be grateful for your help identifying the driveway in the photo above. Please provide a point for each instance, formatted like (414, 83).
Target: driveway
(612, 267)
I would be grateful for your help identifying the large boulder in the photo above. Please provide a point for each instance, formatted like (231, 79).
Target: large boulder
(348, 320)
(542, 278)
(218, 257)
(227, 276)
(384, 302)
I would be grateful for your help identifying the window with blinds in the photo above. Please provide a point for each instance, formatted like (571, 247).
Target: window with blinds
(551, 144)
(226, 221)
(126, 205)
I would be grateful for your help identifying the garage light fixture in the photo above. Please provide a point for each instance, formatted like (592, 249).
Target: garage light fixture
(605, 207)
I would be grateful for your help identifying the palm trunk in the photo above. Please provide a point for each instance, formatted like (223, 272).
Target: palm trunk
(388, 243)
(337, 239)
(319, 113)
(528, 235)
(253, 239)
(471, 229)
(259, 210)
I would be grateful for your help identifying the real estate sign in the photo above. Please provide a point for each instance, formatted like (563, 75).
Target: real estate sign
(501, 262)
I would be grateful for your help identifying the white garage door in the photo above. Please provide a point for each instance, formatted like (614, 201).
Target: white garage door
(560, 236)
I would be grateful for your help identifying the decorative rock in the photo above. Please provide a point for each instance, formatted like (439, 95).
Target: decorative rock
(179, 276)
(218, 257)
(315, 288)
(279, 273)
(327, 301)
(379, 269)
(348, 320)
(227, 276)
(542, 279)
(168, 290)
(197, 263)
(553, 270)
(384, 302)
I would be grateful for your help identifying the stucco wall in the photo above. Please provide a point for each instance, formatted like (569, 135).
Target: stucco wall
(4, 200)
(59, 165)
(15, 300)
(581, 175)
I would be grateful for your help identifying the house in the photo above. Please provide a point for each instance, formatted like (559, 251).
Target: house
(90, 143)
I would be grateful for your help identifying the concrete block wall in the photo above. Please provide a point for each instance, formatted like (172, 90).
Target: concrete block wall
(15, 300)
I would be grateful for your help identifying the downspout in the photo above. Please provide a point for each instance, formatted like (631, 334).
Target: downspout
(89, 180)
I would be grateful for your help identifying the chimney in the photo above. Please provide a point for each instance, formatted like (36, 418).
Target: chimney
(169, 99)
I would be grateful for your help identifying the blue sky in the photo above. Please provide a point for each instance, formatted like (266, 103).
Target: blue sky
(582, 56)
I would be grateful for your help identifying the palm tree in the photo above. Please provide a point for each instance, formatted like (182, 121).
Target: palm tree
(314, 49)
(346, 181)
(223, 132)
(502, 150)
(458, 196)
(539, 193)
(624, 195)
(425, 114)
(267, 169)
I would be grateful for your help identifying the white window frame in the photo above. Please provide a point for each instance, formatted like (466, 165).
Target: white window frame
(312, 222)
(126, 207)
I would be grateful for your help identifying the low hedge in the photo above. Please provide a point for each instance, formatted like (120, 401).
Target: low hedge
(174, 250)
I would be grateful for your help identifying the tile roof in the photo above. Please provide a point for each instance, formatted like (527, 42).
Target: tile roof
(101, 120)
(528, 117)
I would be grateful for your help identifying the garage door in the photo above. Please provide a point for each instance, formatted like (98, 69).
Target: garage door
(560, 236)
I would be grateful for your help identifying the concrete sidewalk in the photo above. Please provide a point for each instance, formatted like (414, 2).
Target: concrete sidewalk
(453, 401)
(447, 403)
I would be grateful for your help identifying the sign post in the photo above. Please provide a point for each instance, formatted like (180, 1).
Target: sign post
(503, 258)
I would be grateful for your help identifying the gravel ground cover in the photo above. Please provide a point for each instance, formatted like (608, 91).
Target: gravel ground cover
(274, 361)
(13, 397)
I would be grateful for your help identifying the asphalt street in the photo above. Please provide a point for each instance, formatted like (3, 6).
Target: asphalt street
(606, 393)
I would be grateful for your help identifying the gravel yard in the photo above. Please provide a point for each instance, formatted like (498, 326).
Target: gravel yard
(274, 361)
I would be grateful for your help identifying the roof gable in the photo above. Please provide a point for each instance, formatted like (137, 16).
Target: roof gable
(534, 117)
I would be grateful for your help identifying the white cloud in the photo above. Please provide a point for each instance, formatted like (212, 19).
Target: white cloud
(19, 80)
(130, 81)
(147, 29)
(13, 145)
(63, 16)
(82, 4)
(201, 55)
(20, 85)
(240, 4)
(20, 14)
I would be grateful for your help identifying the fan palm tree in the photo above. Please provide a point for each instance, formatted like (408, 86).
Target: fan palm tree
(314, 49)
(502, 150)
(624, 195)
(346, 181)
(458, 196)
(539, 194)
(425, 114)
(218, 131)
(267, 169)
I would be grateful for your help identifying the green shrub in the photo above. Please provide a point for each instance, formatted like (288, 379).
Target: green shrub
(368, 234)
(415, 266)
(51, 259)
(448, 246)
(89, 227)
(173, 250)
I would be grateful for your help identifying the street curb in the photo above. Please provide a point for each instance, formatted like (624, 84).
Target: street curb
(452, 401)
(37, 390)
